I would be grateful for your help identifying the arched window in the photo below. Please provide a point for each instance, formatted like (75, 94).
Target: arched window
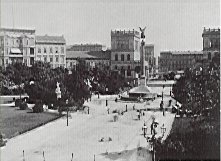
(128, 57)
(122, 57)
(116, 57)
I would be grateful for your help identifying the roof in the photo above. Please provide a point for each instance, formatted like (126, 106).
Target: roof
(17, 30)
(50, 39)
(88, 55)
(140, 89)
(181, 52)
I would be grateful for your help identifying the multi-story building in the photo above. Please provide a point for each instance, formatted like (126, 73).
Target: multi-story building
(51, 49)
(85, 47)
(125, 52)
(211, 43)
(178, 60)
(149, 57)
(92, 59)
(17, 45)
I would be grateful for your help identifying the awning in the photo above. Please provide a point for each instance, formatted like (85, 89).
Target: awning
(15, 51)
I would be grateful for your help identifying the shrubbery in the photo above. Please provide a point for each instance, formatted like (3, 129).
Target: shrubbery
(38, 108)
(23, 105)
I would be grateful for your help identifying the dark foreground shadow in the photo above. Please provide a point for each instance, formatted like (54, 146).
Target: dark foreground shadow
(133, 154)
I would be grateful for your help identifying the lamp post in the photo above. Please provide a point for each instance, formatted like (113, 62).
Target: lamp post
(67, 110)
(161, 104)
(163, 129)
(162, 92)
(152, 139)
(106, 96)
(170, 90)
(144, 129)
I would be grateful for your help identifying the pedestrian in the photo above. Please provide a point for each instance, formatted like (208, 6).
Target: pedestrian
(138, 116)
(143, 114)
(88, 111)
(151, 128)
(108, 110)
(126, 108)
(134, 107)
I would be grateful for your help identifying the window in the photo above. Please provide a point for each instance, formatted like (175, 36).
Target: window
(71, 64)
(62, 49)
(128, 57)
(51, 50)
(39, 50)
(56, 59)
(56, 49)
(136, 45)
(51, 59)
(116, 57)
(122, 57)
(45, 50)
(32, 61)
(25, 61)
(31, 51)
(209, 56)
(45, 59)
(38, 57)
(62, 59)
(115, 67)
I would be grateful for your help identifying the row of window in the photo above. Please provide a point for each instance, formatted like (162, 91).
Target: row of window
(51, 59)
(50, 50)
(19, 41)
(25, 61)
(24, 52)
(122, 68)
(122, 57)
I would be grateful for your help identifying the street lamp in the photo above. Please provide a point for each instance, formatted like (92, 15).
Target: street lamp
(163, 129)
(170, 90)
(106, 96)
(67, 110)
(144, 129)
(162, 92)
(152, 139)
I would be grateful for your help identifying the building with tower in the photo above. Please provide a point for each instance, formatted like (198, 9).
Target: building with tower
(125, 52)
(211, 43)
(17, 45)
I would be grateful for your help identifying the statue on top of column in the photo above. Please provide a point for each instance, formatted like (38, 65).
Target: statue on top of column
(142, 32)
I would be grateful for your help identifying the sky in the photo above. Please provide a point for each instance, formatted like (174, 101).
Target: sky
(171, 24)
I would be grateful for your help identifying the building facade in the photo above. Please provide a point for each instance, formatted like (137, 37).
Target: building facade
(85, 47)
(149, 57)
(211, 43)
(92, 59)
(51, 49)
(178, 60)
(125, 52)
(17, 45)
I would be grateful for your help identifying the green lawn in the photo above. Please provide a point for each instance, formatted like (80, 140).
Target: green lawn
(14, 121)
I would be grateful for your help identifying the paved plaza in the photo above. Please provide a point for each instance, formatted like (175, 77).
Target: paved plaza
(83, 135)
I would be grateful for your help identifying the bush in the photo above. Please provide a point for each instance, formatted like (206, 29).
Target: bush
(38, 108)
(18, 102)
(23, 106)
